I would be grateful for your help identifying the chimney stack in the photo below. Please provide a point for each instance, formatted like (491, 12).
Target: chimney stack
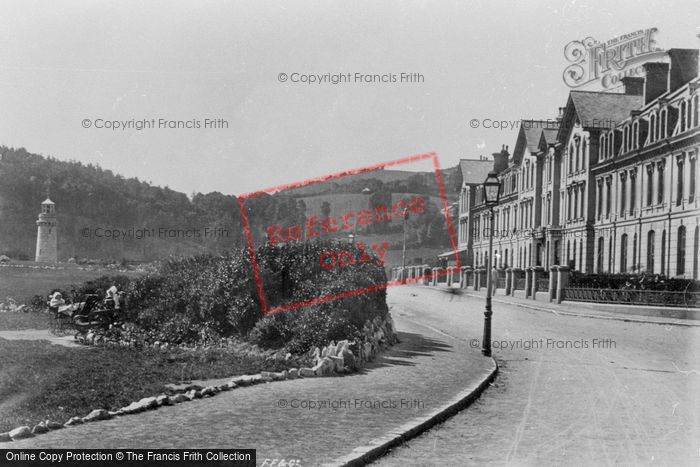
(560, 117)
(684, 67)
(656, 81)
(500, 159)
(634, 86)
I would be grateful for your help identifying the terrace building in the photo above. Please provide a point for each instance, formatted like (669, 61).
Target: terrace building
(609, 186)
(519, 240)
(472, 172)
(645, 174)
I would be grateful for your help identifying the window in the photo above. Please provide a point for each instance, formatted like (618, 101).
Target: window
(610, 253)
(608, 196)
(650, 251)
(695, 253)
(652, 128)
(623, 253)
(551, 168)
(601, 150)
(681, 178)
(600, 198)
(660, 185)
(633, 192)
(696, 110)
(575, 202)
(680, 251)
(662, 124)
(683, 111)
(623, 193)
(663, 252)
(634, 252)
(650, 185)
(571, 158)
(601, 253)
(635, 135)
(693, 172)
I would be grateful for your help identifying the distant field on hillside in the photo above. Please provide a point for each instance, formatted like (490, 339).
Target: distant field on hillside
(344, 203)
(385, 176)
(26, 279)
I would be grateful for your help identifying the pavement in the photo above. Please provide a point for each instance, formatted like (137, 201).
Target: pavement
(571, 390)
(318, 420)
(636, 313)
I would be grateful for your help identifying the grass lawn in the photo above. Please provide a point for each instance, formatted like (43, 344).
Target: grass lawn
(21, 281)
(39, 380)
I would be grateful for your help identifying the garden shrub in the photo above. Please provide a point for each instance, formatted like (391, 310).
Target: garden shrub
(202, 299)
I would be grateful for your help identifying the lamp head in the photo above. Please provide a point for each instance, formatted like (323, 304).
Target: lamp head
(492, 189)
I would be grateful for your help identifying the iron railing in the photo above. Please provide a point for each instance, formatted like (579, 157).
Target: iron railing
(634, 297)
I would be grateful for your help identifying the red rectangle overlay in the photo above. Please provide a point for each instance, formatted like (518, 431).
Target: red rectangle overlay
(286, 234)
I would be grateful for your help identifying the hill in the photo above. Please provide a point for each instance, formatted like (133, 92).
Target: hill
(98, 202)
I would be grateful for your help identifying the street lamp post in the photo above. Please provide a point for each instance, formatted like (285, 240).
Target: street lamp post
(491, 194)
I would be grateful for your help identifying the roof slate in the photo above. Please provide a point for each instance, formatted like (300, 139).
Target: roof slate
(474, 171)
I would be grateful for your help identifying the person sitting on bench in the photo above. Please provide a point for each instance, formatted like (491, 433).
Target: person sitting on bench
(56, 301)
(113, 295)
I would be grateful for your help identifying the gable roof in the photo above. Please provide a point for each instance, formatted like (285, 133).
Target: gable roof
(550, 135)
(597, 110)
(532, 133)
(528, 138)
(474, 171)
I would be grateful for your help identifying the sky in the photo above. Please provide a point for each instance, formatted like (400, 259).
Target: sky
(65, 63)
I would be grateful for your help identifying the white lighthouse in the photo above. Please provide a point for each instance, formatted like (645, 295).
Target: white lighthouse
(47, 234)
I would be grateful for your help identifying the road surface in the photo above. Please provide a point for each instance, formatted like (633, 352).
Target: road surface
(570, 390)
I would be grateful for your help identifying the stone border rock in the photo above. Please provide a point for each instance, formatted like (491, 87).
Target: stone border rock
(378, 447)
(331, 360)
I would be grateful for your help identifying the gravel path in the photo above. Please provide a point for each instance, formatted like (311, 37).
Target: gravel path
(41, 335)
